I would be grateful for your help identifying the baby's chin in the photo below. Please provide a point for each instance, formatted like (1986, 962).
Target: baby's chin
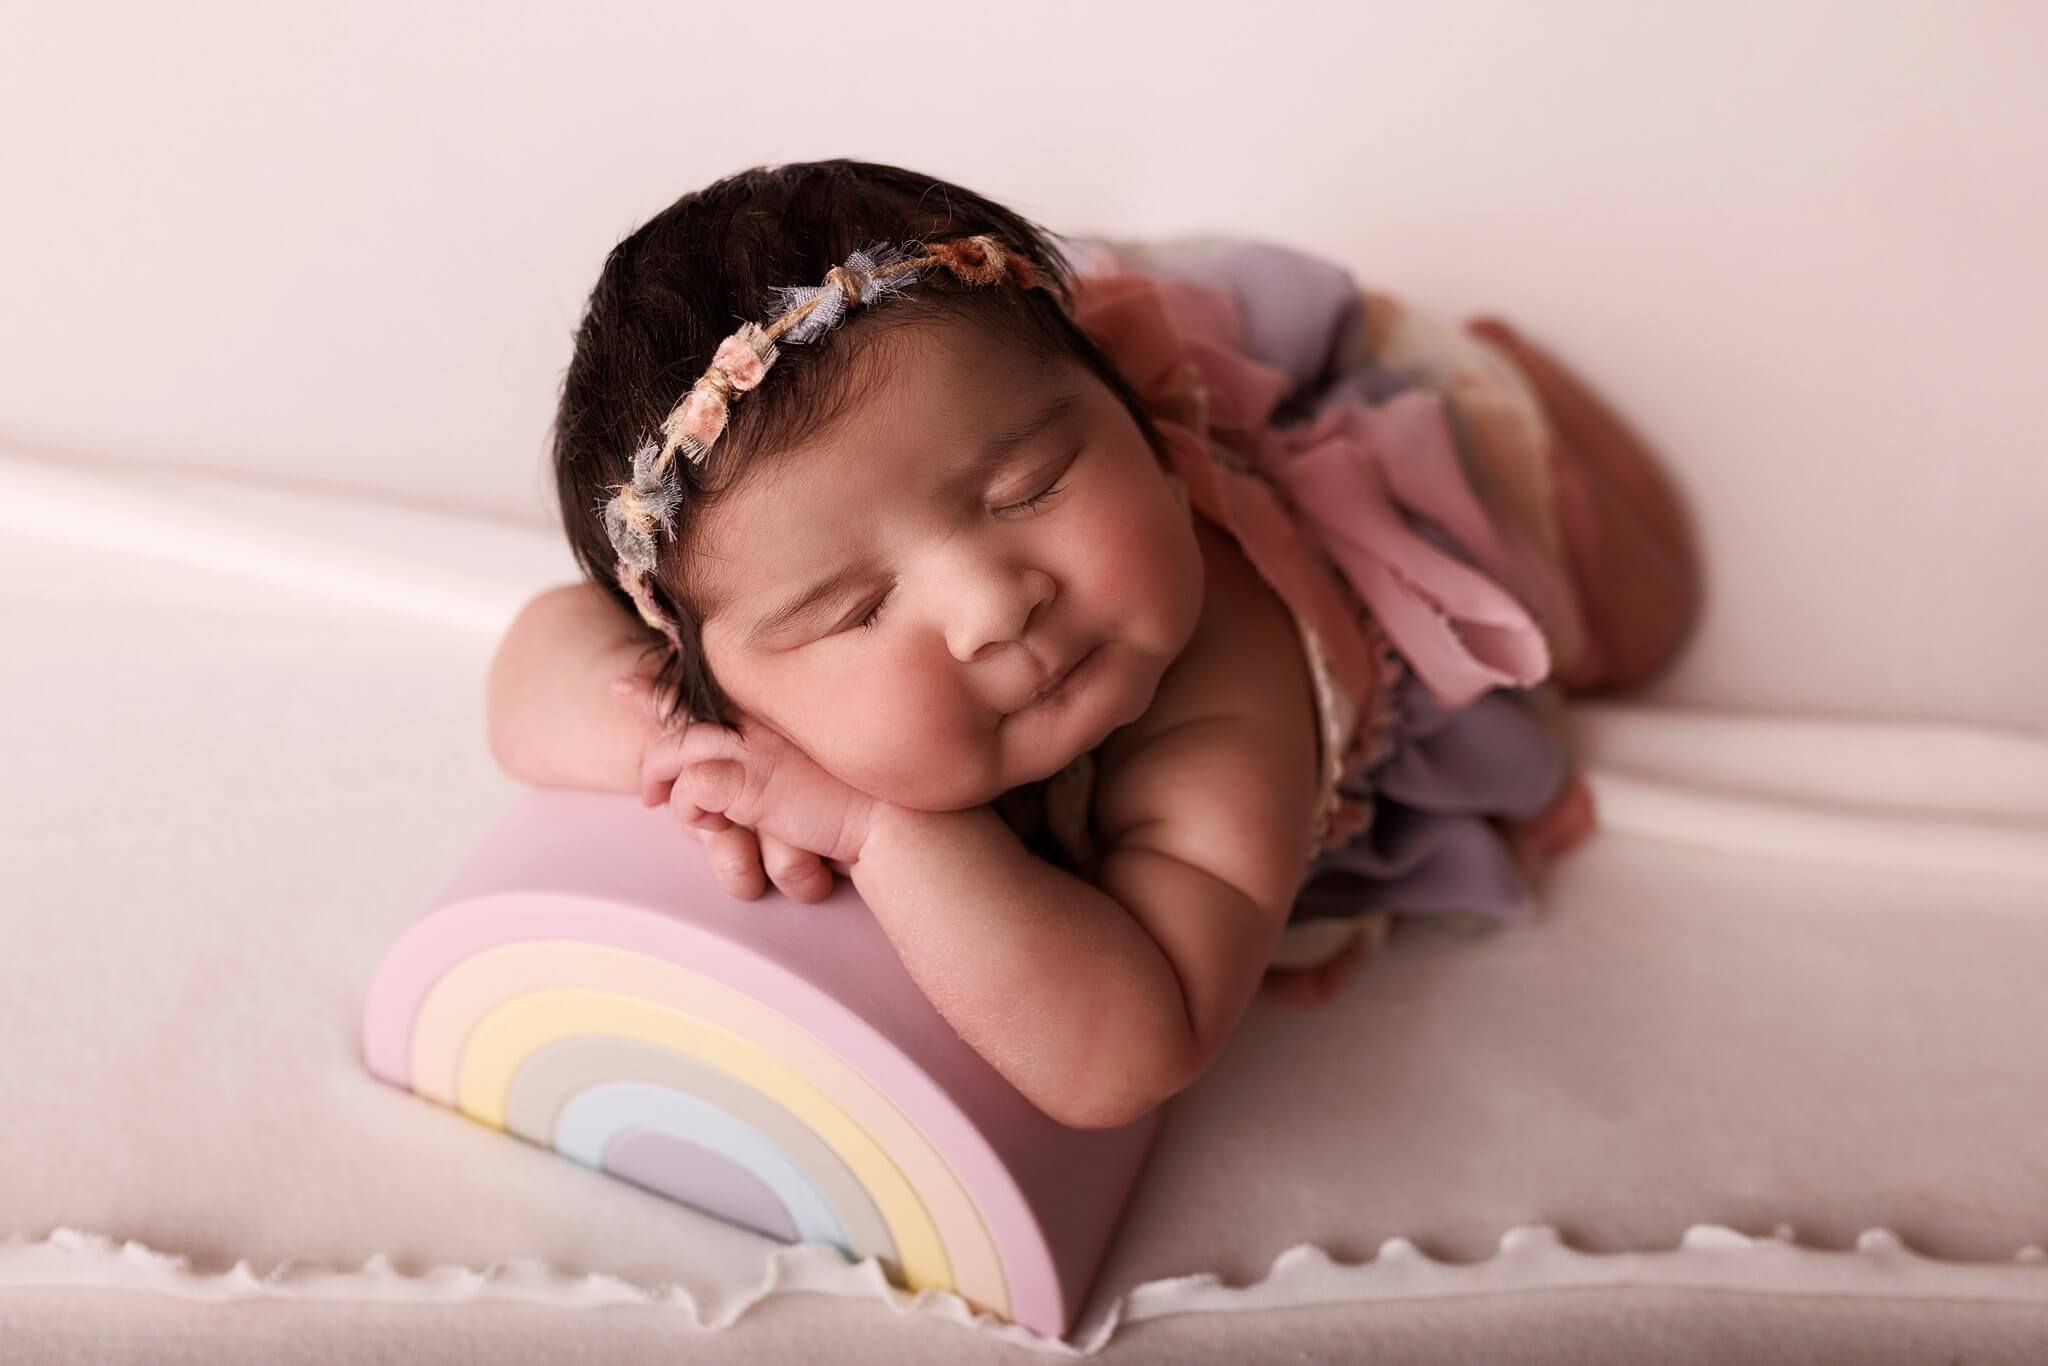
(948, 791)
(961, 782)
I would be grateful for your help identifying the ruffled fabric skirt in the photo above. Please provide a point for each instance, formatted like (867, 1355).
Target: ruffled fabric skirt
(1432, 793)
(1328, 429)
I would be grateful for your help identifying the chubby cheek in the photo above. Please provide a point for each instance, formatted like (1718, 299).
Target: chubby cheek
(1174, 589)
(1145, 569)
(890, 728)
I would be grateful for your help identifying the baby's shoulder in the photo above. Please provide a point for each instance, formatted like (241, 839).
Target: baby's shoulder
(1233, 722)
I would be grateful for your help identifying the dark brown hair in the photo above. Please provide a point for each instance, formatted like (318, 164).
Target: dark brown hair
(684, 280)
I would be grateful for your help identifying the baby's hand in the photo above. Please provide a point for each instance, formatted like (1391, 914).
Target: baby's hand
(746, 863)
(762, 809)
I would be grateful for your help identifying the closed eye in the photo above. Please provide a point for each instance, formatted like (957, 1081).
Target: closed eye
(1035, 499)
(874, 614)
(1045, 495)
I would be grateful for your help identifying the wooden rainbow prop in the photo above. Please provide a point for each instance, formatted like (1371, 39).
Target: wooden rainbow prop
(584, 983)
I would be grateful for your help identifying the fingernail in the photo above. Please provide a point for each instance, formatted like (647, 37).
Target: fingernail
(625, 687)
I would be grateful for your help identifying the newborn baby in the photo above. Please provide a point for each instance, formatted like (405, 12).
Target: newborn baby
(1013, 596)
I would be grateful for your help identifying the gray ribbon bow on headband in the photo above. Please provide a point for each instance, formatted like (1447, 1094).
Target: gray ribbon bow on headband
(658, 492)
(660, 495)
(832, 299)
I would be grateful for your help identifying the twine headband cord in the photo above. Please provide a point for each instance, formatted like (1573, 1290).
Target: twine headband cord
(803, 313)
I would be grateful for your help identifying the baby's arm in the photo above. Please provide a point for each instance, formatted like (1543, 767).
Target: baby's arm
(554, 721)
(552, 718)
(1099, 1002)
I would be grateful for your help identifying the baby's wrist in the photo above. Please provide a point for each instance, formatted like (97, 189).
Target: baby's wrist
(903, 841)
(886, 828)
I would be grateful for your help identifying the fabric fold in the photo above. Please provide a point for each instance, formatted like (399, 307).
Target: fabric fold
(1347, 473)
(1359, 514)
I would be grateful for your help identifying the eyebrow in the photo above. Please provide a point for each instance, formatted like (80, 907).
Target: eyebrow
(995, 450)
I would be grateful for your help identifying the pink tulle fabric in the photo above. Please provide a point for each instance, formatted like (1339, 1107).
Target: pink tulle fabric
(1342, 477)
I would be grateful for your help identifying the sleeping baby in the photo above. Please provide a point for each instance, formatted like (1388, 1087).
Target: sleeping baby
(1134, 625)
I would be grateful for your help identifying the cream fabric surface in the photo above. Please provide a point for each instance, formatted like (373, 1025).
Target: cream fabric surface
(1795, 981)
(1792, 993)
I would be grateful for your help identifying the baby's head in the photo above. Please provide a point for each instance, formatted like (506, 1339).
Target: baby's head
(918, 520)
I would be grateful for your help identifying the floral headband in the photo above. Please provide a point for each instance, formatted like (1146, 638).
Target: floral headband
(803, 313)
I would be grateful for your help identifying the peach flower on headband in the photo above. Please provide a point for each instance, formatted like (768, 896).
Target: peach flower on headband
(740, 360)
(649, 502)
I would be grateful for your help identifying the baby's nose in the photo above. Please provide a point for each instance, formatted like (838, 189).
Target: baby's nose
(992, 607)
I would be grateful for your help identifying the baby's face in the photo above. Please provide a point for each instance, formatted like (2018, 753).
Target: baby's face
(894, 595)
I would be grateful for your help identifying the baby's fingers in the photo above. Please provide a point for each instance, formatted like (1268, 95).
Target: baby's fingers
(696, 818)
(797, 873)
(735, 860)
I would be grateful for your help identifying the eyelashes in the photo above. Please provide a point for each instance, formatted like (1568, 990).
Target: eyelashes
(1051, 491)
(1045, 496)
